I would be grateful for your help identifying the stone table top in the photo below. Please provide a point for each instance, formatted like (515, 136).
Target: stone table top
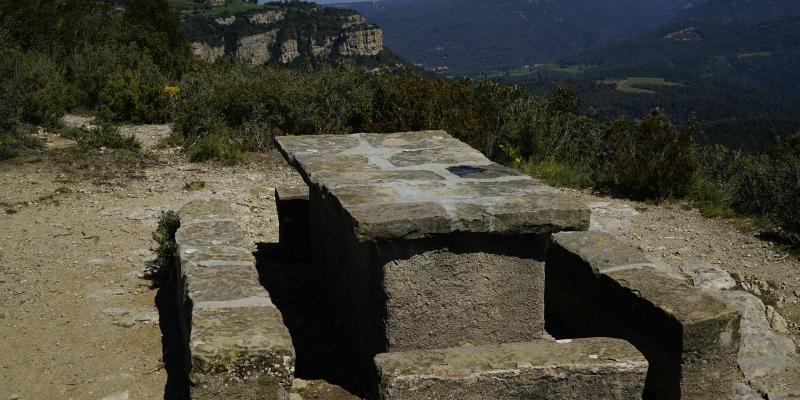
(422, 184)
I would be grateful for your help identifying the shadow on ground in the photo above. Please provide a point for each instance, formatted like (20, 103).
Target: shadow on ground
(316, 333)
(173, 350)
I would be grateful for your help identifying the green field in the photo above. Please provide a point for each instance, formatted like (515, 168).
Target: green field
(532, 69)
(634, 84)
(756, 54)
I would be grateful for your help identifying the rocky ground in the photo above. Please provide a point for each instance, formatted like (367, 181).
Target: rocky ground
(77, 321)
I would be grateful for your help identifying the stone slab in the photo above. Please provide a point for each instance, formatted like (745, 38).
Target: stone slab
(205, 210)
(594, 368)
(421, 184)
(211, 233)
(598, 286)
(237, 345)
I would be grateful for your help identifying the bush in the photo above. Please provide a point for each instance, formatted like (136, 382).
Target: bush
(35, 88)
(18, 139)
(654, 162)
(136, 95)
(107, 136)
(559, 174)
(246, 107)
(219, 146)
(93, 65)
(165, 248)
(769, 186)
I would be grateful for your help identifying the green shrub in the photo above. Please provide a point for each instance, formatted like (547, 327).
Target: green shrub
(246, 107)
(93, 65)
(559, 174)
(655, 161)
(769, 186)
(194, 185)
(35, 88)
(107, 136)
(218, 146)
(165, 247)
(136, 95)
(18, 139)
(712, 199)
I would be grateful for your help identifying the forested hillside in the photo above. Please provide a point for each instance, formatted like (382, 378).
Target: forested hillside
(474, 36)
(733, 11)
(740, 77)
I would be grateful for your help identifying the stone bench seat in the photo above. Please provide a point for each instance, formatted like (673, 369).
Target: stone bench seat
(238, 345)
(598, 286)
(595, 368)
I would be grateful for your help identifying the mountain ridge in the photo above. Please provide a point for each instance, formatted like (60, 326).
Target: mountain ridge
(472, 36)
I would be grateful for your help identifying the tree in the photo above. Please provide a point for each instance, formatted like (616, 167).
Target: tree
(155, 27)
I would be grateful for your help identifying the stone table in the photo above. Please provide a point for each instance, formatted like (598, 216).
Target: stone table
(422, 242)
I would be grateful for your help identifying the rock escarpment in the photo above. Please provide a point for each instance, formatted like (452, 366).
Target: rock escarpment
(284, 33)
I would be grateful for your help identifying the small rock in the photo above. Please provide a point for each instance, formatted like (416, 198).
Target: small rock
(116, 311)
(98, 262)
(118, 292)
(776, 321)
(125, 322)
(14, 397)
(117, 396)
(147, 317)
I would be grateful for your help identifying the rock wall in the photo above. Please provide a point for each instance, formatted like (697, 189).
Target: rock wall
(362, 42)
(206, 52)
(288, 51)
(257, 49)
(238, 346)
(267, 17)
(353, 20)
(225, 20)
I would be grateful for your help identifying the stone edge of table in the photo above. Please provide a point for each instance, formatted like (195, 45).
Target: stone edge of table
(571, 369)
(235, 336)
(451, 188)
(676, 325)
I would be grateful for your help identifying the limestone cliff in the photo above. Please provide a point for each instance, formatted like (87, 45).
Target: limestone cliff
(366, 41)
(206, 52)
(284, 33)
(289, 51)
(267, 17)
(256, 48)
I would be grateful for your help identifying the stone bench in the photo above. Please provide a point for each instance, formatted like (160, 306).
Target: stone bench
(294, 233)
(597, 286)
(237, 343)
(424, 242)
(596, 368)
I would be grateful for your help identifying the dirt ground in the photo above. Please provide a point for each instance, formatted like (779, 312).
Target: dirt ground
(77, 321)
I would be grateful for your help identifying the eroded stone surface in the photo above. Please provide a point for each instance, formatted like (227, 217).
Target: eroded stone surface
(595, 368)
(440, 299)
(420, 184)
(211, 233)
(598, 286)
(765, 358)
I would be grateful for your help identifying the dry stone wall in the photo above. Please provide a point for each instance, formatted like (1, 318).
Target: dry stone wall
(238, 346)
